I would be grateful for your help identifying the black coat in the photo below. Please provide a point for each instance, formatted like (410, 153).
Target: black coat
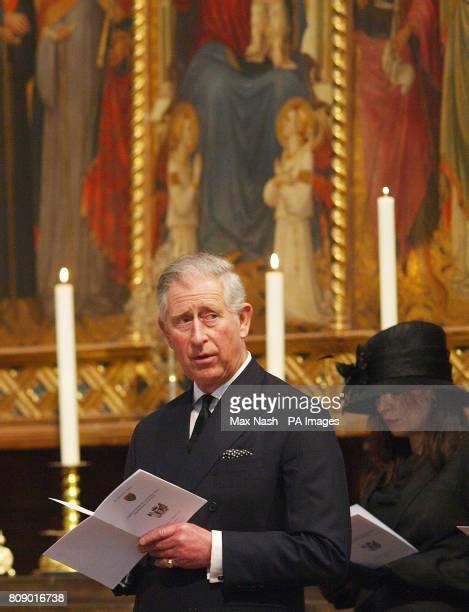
(282, 510)
(426, 511)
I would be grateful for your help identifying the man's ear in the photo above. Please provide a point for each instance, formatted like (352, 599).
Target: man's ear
(245, 317)
(165, 332)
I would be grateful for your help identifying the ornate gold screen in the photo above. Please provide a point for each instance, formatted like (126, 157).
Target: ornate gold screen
(126, 377)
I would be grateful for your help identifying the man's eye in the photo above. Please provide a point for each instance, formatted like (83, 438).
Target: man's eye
(183, 320)
(211, 316)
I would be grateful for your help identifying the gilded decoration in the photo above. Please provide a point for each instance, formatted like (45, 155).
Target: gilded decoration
(116, 392)
(113, 393)
(339, 165)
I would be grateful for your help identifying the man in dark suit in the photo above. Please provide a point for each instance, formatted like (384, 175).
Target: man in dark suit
(277, 515)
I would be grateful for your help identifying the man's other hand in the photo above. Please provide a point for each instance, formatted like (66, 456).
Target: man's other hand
(183, 544)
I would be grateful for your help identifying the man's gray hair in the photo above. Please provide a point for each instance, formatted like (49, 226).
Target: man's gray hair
(209, 266)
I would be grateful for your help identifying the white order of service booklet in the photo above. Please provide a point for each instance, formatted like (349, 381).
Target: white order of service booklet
(464, 529)
(105, 545)
(373, 543)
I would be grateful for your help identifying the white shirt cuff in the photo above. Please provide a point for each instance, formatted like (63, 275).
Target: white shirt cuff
(215, 571)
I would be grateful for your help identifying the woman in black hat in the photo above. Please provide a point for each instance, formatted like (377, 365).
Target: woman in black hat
(417, 481)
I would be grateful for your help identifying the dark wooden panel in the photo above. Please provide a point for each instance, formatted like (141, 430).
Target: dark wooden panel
(28, 480)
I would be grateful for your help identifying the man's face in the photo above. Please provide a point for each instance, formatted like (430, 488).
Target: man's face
(207, 338)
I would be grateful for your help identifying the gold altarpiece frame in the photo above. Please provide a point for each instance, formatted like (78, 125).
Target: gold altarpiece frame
(121, 380)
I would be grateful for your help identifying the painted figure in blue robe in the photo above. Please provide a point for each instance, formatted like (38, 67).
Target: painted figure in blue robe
(237, 102)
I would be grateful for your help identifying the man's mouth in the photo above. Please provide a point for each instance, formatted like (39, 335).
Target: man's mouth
(203, 358)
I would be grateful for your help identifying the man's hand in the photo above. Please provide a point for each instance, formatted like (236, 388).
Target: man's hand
(188, 546)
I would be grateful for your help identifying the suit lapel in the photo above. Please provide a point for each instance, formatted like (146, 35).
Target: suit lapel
(410, 491)
(370, 489)
(420, 479)
(209, 446)
(206, 451)
(172, 439)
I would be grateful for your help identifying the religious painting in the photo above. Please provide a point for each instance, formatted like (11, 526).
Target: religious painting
(409, 133)
(241, 164)
(65, 172)
(17, 65)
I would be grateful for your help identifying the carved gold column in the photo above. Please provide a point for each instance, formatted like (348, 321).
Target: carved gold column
(339, 165)
(138, 131)
(139, 223)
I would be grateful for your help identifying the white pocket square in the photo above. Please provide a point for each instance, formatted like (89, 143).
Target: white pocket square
(235, 453)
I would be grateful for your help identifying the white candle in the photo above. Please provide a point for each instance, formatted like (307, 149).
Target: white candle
(387, 260)
(67, 371)
(275, 319)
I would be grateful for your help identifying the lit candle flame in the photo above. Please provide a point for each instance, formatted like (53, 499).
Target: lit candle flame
(274, 261)
(64, 275)
(385, 191)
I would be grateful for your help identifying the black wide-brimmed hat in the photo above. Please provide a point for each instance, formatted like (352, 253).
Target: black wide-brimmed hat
(410, 353)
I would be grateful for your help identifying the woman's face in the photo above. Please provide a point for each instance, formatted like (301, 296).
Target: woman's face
(405, 412)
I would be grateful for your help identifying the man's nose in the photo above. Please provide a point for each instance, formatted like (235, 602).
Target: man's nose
(198, 335)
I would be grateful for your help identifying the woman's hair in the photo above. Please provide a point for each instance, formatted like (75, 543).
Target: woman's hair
(387, 452)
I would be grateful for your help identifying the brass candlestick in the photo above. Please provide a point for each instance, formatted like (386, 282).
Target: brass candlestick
(70, 517)
(71, 493)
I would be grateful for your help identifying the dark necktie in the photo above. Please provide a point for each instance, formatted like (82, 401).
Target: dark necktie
(202, 418)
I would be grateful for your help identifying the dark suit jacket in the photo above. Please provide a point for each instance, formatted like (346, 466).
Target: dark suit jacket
(429, 507)
(283, 510)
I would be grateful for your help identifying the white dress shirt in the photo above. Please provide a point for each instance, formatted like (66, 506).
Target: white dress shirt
(215, 571)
